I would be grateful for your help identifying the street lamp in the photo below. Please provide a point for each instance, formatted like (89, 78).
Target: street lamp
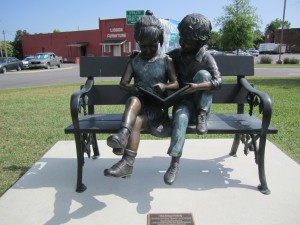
(281, 37)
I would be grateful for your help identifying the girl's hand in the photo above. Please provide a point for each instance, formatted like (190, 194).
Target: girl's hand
(160, 86)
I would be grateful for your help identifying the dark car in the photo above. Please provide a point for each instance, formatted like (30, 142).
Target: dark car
(10, 63)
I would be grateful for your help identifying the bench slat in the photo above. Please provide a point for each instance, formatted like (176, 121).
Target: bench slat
(217, 124)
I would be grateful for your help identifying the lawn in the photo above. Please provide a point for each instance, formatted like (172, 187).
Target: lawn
(33, 120)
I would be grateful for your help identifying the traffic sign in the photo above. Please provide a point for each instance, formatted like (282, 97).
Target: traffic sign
(133, 15)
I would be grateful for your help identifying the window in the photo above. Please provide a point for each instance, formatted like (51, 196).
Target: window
(127, 46)
(106, 48)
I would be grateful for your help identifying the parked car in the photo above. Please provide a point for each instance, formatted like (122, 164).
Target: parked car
(25, 61)
(241, 52)
(10, 63)
(214, 52)
(45, 60)
(253, 52)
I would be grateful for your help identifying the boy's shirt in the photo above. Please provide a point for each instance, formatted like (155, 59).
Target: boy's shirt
(202, 61)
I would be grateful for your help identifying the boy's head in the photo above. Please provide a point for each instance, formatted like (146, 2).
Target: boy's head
(195, 27)
(148, 29)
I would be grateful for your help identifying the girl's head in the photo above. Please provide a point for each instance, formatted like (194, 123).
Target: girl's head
(148, 33)
(148, 28)
(195, 28)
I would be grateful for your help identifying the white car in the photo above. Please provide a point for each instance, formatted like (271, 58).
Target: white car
(26, 61)
(241, 52)
(214, 52)
(253, 52)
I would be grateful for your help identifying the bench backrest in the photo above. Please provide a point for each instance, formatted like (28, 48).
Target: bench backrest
(115, 66)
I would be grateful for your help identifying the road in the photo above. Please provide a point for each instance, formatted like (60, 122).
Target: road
(69, 74)
(277, 72)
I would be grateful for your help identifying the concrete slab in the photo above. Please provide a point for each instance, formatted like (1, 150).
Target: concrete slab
(215, 188)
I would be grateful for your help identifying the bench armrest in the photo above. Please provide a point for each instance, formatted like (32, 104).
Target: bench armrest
(77, 100)
(265, 101)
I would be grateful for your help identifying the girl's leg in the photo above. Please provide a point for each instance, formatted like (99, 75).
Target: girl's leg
(132, 110)
(124, 167)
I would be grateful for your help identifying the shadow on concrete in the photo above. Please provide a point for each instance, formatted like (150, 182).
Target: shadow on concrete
(59, 173)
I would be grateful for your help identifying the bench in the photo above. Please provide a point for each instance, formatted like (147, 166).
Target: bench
(245, 127)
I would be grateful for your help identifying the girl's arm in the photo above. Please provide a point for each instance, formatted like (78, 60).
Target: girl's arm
(126, 79)
(172, 76)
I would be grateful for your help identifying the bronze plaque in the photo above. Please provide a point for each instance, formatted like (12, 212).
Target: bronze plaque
(170, 219)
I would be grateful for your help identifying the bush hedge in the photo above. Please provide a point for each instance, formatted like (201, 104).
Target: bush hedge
(266, 60)
(291, 61)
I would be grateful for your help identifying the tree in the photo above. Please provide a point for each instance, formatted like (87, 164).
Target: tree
(274, 25)
(238, 25)
(56, 31)
(17, 43)
(214, 40)
(259, 38)
(9, 49)
(277, 23)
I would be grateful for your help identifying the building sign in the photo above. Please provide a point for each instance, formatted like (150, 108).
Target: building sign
(116, 35)
(116, 32)
(117, 29)
(133, 15)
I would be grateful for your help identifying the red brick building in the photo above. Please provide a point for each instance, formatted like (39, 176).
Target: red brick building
(291, 37)
(113, 38)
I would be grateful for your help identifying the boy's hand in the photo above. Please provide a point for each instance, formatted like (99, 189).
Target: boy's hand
(193, 88)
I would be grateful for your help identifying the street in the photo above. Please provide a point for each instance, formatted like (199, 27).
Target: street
(69, 74)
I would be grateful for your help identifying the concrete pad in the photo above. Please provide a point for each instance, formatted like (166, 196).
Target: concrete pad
(214, 187)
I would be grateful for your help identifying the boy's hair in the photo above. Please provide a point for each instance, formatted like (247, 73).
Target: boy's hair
(148, 27)
(196, 27)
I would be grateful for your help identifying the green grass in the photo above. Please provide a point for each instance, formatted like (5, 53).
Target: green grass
(33, 120)
(257, 65)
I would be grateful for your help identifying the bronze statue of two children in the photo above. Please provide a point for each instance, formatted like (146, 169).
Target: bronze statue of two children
(158, 72)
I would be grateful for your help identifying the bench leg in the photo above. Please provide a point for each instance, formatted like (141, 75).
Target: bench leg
(235, 144)
(263, 187)
(80, 187)
(95, 146)
(259, 159)
(90, 141)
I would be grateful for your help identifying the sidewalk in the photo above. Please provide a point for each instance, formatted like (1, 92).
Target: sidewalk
(216, 188)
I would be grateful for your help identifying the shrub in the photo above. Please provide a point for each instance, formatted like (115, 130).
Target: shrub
(291, 61)
(265, 60)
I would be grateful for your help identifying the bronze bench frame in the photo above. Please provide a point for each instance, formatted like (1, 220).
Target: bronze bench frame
(247, 128)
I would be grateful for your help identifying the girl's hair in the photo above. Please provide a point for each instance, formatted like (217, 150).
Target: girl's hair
(195, 27)
(148, 27)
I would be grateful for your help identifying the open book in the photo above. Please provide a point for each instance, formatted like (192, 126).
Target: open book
(171, 99)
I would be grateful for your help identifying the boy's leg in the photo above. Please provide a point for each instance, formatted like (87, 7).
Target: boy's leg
(203, 102)
(181, 115)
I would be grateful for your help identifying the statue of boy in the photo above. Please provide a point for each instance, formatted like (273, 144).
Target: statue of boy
(198, 68)
(155, 72)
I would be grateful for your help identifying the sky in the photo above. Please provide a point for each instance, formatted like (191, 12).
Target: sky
(36, 16)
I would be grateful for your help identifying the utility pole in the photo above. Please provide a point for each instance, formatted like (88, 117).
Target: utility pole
(281, 37)
(5, 48)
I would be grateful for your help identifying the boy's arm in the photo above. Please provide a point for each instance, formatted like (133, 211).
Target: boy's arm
(216, 79)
